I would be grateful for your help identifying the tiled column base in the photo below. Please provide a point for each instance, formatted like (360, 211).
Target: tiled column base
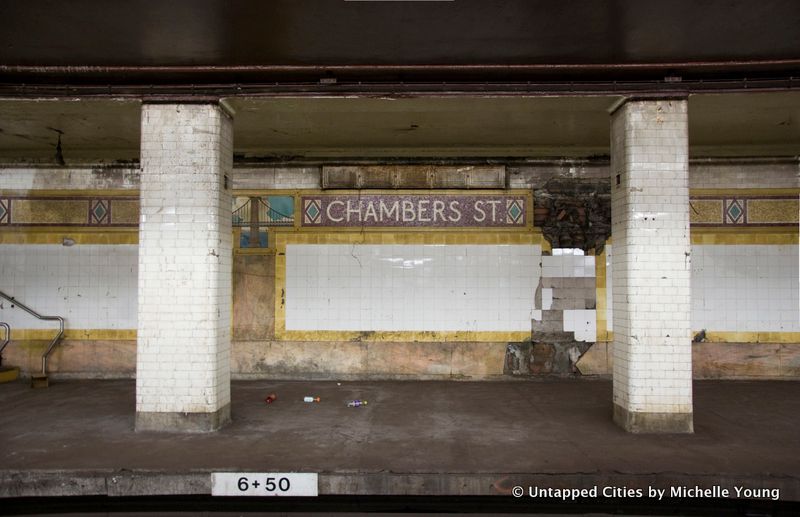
(183, 422)
(642, 422)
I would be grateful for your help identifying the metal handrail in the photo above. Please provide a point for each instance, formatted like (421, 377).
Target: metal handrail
(35, 314)
(5, 340)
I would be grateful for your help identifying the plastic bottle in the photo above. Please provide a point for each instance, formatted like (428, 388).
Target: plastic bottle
(356, 403)
(310, 399)
(270, 398)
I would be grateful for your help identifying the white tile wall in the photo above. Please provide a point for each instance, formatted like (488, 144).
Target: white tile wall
(568, 251)
(583, 322)
(568, 266)
(91, 286)
(547, 299)
(739, 288)
(745, 288)
(411, 287)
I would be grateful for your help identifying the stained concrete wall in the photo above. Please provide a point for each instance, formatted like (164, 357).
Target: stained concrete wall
(371, 360)
(269, 359)
(711, 173)
(368, 360)
(744, 173)
(127, 177)
(85, 359)
(716, 360)
(99, 177)
(703, 173)
(254, 297)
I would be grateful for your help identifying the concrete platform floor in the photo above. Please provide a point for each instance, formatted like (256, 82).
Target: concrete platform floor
(424, 438)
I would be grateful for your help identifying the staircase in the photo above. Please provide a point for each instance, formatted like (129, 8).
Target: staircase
(38, 380)
(7, 374)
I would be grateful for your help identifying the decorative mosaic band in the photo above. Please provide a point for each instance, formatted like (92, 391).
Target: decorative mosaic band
(746, 211)
(69, 211)
(415, 210)
(424, 210)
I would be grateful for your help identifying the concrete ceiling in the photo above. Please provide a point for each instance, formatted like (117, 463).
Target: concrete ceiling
(223, 33)
(90, 130)
(424, 126)
(755, 124)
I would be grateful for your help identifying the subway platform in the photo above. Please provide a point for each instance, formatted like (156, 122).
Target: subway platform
(77, 438)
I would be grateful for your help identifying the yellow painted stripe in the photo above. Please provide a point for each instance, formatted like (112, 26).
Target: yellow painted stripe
(601, 311)
(789, 236)
(752, 337)
(338, 192)
(604, 336)
(744, 192)
(254, 251)
(76, 334)
(322, 236)
(56, 235)
(9, 375)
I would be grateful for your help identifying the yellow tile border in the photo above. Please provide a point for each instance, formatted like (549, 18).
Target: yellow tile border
(769, 211)
(601, 310)
(253, 251)
(56, 235)
(730, 229)
(9, 375)
(285, 236)
(106, 235)
(605, 336)
(383, 237)
(375, 191)
(714, 336)
(74, 334)
(766, 236)
(743, 192)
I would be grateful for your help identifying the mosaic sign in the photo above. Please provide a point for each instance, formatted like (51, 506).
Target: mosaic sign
(752, 210)
(414, 210)
(120, 211)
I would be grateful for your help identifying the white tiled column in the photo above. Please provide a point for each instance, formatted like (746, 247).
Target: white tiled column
(183, 348)
(651, 264)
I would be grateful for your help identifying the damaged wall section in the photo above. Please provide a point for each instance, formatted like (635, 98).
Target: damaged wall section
(568, 324)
